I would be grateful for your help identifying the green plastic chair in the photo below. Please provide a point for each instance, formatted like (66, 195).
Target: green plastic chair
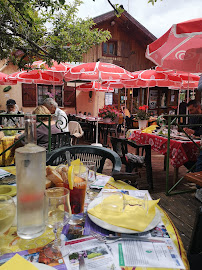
(85, 153)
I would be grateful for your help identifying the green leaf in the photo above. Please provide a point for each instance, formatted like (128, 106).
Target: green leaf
(62, 2)
(7, 88)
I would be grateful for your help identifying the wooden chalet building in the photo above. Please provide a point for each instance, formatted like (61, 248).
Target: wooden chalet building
(126, 48)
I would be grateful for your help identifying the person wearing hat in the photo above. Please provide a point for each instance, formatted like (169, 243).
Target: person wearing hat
(12, 108)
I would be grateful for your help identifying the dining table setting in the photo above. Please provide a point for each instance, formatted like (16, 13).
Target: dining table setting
(92, 222)
(182, 149)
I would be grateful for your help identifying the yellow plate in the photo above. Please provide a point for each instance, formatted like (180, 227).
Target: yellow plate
(8, 190)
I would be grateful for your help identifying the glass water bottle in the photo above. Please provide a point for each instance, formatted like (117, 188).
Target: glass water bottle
(30, 174)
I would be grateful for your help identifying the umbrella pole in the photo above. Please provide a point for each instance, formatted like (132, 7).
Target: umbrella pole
(124, 122)
(187, 100)
(131, 104)
(97, 112)
(178, 106)
(147, 99)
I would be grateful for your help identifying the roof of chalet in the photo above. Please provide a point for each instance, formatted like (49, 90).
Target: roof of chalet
(128, 23)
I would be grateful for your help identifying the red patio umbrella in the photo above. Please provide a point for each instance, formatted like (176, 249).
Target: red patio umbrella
(185, 76)
(41, 73)
(5, 81)
(153, 78)
(62, 67)
(93, 86)
(35, 76)
(97, 71)
(179, 48)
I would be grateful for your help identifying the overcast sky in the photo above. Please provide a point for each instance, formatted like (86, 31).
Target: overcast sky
(157, 19)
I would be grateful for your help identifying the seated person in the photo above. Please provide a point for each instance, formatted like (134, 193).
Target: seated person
(89, 114)
(120, 121)
(12, 108)
(194, 107)
(125, 111)
(61, 116)
(42, 131)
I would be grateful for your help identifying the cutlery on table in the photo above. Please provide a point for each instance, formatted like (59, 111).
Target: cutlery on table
(112, 238)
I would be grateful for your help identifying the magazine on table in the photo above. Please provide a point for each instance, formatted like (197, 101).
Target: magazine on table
(36, 256)
(88, 253)
(147, 254)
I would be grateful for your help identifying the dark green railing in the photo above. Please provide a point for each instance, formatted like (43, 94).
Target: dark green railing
(22, 128)
(174, 120)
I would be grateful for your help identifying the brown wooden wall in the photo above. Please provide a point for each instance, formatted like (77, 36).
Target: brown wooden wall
(130, 51)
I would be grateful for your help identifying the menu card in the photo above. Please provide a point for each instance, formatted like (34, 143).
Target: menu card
(4, 173)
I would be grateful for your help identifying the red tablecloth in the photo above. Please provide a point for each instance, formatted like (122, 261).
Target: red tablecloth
(180, 151)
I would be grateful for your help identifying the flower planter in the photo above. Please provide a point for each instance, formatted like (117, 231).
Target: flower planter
(107, 120)
(142, 124)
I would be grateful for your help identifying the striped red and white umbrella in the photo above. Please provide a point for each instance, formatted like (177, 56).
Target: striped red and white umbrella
(41, 73)
(36, 76)
(185, 76)
(97, 71)
(56, 68)
(151, 78)
(180, 48)
(93, 86)
(5, 81)
(154, 78)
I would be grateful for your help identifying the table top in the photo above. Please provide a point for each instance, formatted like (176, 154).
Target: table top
(180, 151)
(14, 243)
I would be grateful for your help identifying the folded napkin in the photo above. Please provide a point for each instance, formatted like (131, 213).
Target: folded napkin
(18, 263)
(149, 129)
(133, 217)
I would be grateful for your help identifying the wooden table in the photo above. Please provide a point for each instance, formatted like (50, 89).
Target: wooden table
(13, 242)
(195, 177)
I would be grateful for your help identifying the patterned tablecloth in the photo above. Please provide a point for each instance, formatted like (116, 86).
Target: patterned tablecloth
(7, 158)
(10, 239)
(180, 151)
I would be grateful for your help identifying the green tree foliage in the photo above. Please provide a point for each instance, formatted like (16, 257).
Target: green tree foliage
(153, 1)
(45, 29)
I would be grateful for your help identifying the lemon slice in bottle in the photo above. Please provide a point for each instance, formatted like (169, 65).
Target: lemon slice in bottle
(76, 162)
(71, 177)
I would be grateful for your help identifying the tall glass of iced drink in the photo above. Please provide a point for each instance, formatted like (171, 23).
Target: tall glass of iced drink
(77, 183)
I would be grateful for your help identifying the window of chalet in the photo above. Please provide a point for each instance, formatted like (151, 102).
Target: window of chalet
(33, 95)
(45, 91)
(109, 48)
(108, 98)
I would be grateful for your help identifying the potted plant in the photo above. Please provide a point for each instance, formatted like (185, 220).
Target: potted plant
(142, 116)
(108, 113)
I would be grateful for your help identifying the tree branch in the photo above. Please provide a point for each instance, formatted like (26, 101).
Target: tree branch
(17, 10)
(113, 7)
(30, 41)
